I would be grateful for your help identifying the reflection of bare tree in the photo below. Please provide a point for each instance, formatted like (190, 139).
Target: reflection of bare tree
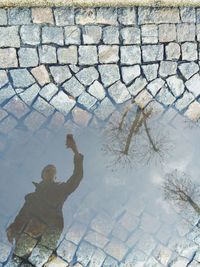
(179, 188)
(129, 138)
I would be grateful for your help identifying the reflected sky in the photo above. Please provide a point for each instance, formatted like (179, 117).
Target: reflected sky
(112, 184)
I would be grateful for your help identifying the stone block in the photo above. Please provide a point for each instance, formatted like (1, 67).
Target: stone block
(91, 34)
(189, 51)
(21, 78)
(130, 35)
(42, 15)
(150, 71)
(19, 16)
(167, 33)
(8, 58)
(109, 74)
(48, 91)
(63, 102)
(118, 92)
(130, 54)
(47, 54)
(106, 16)
(73, 87)
(149, 34)
(97, 90)
(88, 55)
(9, 36)
(129, 73)
(110, 35)
(173, 51)
(52, 35)
(108, 53)
(28, 57)
(127, 16)
(185, 32)
(152, 53)
(3, 17)
(30, 34)
(60, 73)
(68, 55)
(87, 75)
(41, 75)
(72, 35)
(167, 68)
(64, 16)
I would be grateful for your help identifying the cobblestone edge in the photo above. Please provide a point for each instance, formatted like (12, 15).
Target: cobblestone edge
(99, 3)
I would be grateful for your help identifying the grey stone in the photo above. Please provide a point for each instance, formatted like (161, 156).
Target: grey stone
(66, 250)
(88, 55)
(87, 75)
(19, 16)
(149, 34)
(109, 74)
(129, 221)
(173, 51)
(108, 53)
(84, 253)
(43, 107)
(165, 97)
(130, 73)
(97, 258)
(198, 32)
(136, 257)
(68, 55)
(105, 109)
(64, 16)
(3, 78)
(39, 256)
(152, 53)
(8, 124)
(42, 15)
(119, 92)
(193, 111)
(149, 223)
(97, 90)
(60, 73)
(9, 36)
(176, 85)
(4, 252)
(188, 69)
(29, 95)
(74, 68)
(188, 14)
(52, 34)
(63, 102)
(73, 87)
(34, 121)
(87, 100)
(120, 232)
(189, 51)
(186, 32)
(130, 35)
(72, 35)
(193, 84)
(30, 34)
(146, 244)
(150, 71)
(157, 15)
(96, 239)
(130, 54)
(28, 57)
(17, 107)
(184, 101)
(109, 261)
(76, 232)
(198, 15)
(8, 58)
(3, 17)
(6, 93)
(85, 16)
(106, 16)
(47, 54)
(41, 74)
(137, 85)
(155, 86)
(102, 223)
(14, 262)
(48, 91)
(56, 122)
(111, 35)
(127, 16)
(167, 68)
(91, 34)
(167, 33)
(21, 78)
(116, 249)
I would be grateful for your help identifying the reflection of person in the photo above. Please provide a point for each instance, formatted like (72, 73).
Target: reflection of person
(42, 210)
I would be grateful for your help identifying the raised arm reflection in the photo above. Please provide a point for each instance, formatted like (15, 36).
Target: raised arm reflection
(40, 220)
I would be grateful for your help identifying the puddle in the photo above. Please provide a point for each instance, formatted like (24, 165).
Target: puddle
(137, 201)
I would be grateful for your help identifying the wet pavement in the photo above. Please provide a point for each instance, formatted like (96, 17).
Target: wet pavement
(127, 195)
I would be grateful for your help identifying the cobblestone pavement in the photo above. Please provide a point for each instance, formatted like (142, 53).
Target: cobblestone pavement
(127, 231)
(66, 68)
(65, 63)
